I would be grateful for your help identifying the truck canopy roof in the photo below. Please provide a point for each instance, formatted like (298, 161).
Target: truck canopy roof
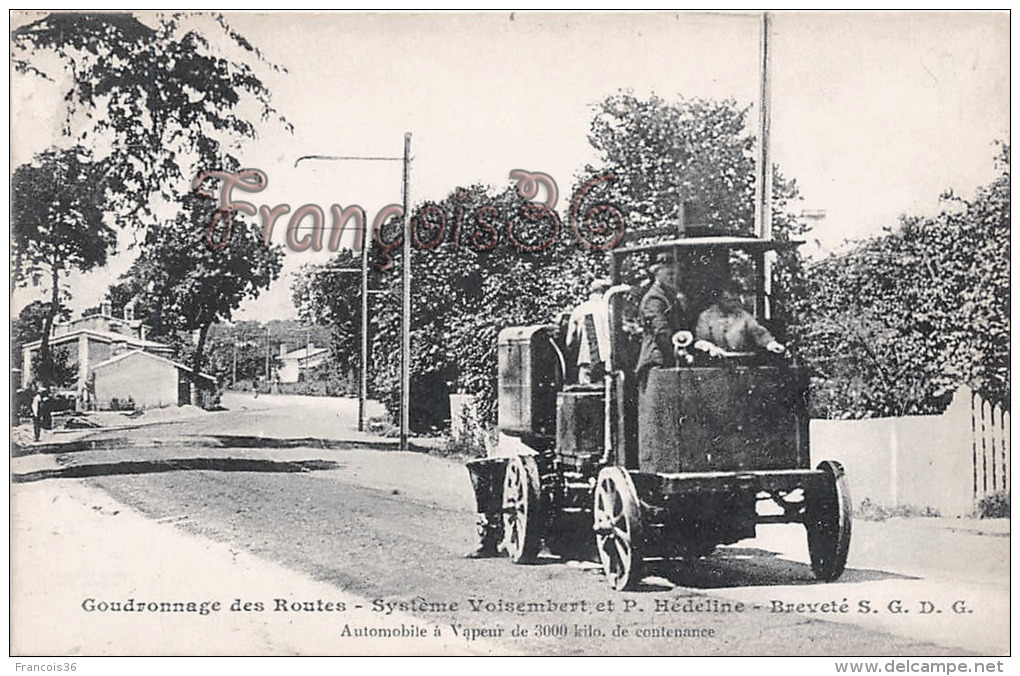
(748, 244)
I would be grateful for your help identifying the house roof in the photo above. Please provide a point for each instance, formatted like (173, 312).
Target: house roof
(149, 355)
(106, 336)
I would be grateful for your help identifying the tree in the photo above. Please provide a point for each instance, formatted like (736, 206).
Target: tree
(189, 286)
(330, 295)
(481, 262)
(166, 97)
(699, 153)
(170, 103)
(57, 225)
(236, 352)
(30, 326)
(895, 325)
(664, 155)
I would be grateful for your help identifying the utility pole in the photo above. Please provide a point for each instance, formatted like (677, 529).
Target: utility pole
(365, 244)
(763, 184)
(267, 355)
(405, 324)
(363, 375)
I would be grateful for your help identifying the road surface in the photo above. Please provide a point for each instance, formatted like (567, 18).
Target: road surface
(283, 483)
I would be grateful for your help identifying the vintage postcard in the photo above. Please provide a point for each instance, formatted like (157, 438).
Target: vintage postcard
(511, 333)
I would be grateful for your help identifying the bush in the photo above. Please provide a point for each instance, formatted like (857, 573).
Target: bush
(870, 511)
(472, 436)
(995, 506)
(122, 405)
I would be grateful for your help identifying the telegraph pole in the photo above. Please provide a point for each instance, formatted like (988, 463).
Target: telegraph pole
(405, 324)
(366, 239)
(267, 354)
(363, 375)
(763, 184)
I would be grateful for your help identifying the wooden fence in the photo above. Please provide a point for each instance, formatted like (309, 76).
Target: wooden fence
(989, 427)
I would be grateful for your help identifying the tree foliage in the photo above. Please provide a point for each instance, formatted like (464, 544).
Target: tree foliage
(899, 322)
(698, 153)
(668, 153)
(163, 95)
(330, 295)
(470, 280)
(186, 286)
(57, 226)
(171, 96)
(30, 326)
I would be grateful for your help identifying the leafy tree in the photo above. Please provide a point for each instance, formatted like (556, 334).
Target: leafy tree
(166, 97)
(250, 341)
(330, 295)
(473, 275)
(30, 326)
(120, 295)
(665, 154)
(692, 161)
(171, 103)
(896, 324)
(188, 286)
(57, 225)
(244, 342)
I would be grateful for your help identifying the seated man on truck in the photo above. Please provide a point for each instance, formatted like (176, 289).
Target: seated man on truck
(725, 326)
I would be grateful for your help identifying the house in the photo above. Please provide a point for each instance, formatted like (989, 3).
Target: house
(147, 380)
(295, 364)
(116, 354)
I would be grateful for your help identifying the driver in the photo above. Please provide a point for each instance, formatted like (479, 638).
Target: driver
(725, 326)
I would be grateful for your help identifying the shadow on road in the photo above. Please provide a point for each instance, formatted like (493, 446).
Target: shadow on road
(243, 441)
(213, 441)
(751, 567)
(156, 466)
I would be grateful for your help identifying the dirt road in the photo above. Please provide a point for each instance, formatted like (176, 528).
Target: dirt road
(387, 531)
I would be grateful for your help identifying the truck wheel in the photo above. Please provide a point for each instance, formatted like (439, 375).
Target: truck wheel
(522, 518)
(828, 518)
(618, 528)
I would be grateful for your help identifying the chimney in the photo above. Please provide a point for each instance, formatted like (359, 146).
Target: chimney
(311, 346)
(283, 349)
(129, 311)
(106, 308)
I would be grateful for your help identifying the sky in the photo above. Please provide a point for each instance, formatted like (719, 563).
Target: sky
(874, 114)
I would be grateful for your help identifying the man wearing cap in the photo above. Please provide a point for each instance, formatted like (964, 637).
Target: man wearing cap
(588, 333)
(661, 314)
(725, 326)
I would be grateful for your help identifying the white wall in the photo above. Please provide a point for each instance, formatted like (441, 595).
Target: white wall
(920, 461)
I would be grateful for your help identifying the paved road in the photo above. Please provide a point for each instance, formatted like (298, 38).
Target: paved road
(389, 530)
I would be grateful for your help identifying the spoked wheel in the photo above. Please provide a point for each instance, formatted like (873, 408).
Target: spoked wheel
(522, 516)
(618, 528)
(828, 518)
